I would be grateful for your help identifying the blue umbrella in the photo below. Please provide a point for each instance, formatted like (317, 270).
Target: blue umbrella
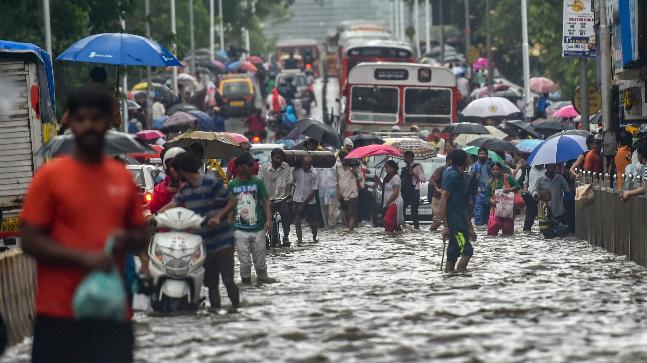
(204, 122)
(557, 150)
(158, 123)
(119, 49)
(222, 55)
(527, 146)
(234, 66)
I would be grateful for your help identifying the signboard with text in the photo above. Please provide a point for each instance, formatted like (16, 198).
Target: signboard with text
(578, 38)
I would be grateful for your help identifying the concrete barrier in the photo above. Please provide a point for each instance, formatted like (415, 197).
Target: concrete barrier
(17, 288)
(615, 225)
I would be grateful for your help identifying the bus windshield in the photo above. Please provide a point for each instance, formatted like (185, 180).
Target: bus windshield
(378, 104)
(426, 102)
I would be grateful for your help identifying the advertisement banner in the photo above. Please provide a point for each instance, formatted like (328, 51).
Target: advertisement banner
(629, 28)
(578, 38)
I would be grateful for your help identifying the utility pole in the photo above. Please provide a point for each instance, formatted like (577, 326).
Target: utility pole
(149, 75)
(48, 28)
(416, 23)
(124, 88)
(401, 14)
(584, 93)
(468, 28)
(174, 45)
(605, 66)
(490, 70)
(526, 58)
(212, 39)
(222, 27)
(442, 31)
(427, 26)
(396, 19)
(192, 34)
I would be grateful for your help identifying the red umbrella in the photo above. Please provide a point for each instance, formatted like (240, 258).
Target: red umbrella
(147, 135)
(543, 85)
(248, 66)
(373, 150)
(238, 138)
(255, 59)
(566, 112)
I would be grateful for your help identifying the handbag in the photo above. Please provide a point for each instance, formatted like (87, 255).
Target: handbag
(101, 295)
(504, 204)
(518, 199)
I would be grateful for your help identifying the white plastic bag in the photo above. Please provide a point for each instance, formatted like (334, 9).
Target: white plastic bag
(504, 204)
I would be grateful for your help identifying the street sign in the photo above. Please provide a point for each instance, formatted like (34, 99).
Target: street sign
(472, 55)
(578, 38)
(594, 99)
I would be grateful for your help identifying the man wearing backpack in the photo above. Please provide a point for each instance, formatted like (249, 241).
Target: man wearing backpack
(411, 175)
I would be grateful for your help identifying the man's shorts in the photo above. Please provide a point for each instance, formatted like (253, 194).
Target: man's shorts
(350, 206)
(310, 212)
(459, 245)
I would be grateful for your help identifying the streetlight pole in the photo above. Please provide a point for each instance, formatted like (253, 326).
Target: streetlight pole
(416, 23)
(48, 28)
(401, 13)
(222, 27)
(124, 89)
(174, 45)
(192, 34)
(526, 58)
(468, 28)
(396, 19)
(212, 44)
(427, 26)
(490, 70)
(442, 31)
(149, 74)
(605, 66)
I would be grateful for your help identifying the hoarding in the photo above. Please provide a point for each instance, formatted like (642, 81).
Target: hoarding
(578, 35)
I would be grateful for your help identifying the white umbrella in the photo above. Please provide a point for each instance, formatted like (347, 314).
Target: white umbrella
(487, 107)
(465, 139)
(496, 133)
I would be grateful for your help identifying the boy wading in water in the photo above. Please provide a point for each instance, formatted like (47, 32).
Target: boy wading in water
(454, 204)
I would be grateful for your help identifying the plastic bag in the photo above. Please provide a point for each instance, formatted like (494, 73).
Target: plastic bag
(504, 204)
(101, 295)
(584, 194)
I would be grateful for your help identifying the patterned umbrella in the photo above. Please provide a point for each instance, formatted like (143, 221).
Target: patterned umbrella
(557, 150)
(421, 149)
(216, 145)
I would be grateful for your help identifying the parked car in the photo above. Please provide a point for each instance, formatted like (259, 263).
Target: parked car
(238, 94)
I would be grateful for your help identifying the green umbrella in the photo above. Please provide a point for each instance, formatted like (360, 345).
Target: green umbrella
(474, 150)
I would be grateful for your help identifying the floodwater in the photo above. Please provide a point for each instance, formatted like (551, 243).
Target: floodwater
(365, 297)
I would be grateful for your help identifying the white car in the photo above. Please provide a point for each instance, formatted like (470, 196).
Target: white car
(146, 177)
(263, 152)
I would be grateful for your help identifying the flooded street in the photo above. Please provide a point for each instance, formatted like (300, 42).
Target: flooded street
(367, 297)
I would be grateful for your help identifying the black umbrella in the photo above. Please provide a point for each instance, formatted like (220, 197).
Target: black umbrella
(582, 133)
(366, 139)
(184, 107)
(115, 143)
(495, 145)
(519, 125)
(466, 128)
(319, 131)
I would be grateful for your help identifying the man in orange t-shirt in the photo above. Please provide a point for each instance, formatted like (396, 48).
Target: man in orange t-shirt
(73, 204)
(622, 158)
(593, 159)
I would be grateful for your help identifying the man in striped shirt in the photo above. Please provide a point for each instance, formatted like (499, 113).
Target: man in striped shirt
(206, 195)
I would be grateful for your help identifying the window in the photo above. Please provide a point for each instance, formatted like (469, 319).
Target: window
(377, 104)
(422, 104)
(235, 88)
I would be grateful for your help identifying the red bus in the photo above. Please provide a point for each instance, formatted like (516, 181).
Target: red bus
(376, 50)
(378, 96)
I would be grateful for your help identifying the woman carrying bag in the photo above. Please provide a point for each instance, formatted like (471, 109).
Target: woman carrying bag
(501, 194)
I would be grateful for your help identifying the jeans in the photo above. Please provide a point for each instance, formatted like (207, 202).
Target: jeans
(413, 200)
(531, 210)
(481, 209)
(221, 264)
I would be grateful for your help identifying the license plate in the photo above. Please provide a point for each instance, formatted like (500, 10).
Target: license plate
(237, 103)
(11, 224)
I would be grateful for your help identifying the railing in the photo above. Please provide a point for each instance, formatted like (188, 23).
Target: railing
(617, 226)
(17, 287)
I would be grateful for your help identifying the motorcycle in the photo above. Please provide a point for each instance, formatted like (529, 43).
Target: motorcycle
(176, 261)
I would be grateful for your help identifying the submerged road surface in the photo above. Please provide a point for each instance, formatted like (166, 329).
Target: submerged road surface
(365, 297)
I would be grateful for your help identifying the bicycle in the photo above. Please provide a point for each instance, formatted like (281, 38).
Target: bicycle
(273, 239)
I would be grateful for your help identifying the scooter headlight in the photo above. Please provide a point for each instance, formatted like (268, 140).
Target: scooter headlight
(197, 255)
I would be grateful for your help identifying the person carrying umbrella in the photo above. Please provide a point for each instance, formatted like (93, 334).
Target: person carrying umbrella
(481, 173)
(392, 200)
(349, 179)
(306, 184)
(412, 175)
(556, 185)
(541, 104)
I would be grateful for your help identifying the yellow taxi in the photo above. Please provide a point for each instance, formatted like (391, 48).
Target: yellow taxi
(238, 94)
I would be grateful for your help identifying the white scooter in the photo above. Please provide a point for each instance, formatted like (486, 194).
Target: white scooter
(176, 261)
